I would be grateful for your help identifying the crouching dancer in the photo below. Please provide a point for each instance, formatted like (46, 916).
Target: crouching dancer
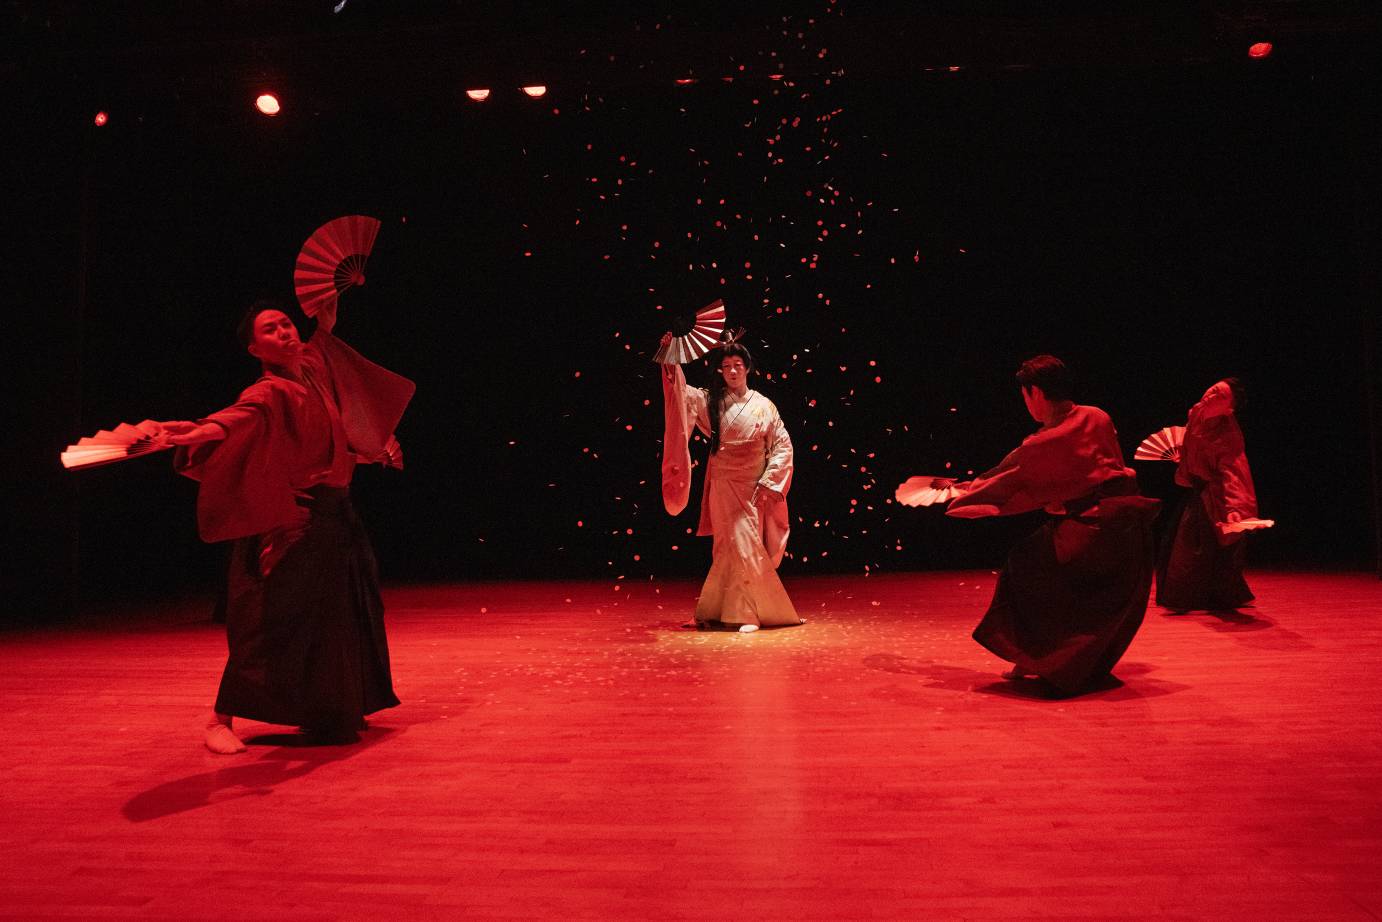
(1073, 594)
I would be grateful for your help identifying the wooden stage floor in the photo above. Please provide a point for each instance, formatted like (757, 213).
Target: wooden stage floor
(565, 751)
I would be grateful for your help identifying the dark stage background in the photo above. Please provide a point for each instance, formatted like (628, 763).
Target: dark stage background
(895, 240)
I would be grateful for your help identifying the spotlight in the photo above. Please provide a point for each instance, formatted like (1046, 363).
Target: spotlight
(101, 118)
(535, 91)
(267, 104)
(478, 95)
(1259, 49)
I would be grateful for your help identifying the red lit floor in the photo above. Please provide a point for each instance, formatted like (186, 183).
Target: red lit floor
(570, 753)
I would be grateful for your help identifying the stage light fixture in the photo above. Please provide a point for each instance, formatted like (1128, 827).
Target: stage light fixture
(1259, 49)
(535, 91)
(101, 118)
(267, 104)
(478, 95)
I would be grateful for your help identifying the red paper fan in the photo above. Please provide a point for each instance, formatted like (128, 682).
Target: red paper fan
(120, 444)
(1242, 525)
(333, 260)
(1162, 445)
(698, 336)
(393, 454)
(918, 491)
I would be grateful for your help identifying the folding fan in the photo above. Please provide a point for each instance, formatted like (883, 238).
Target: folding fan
(125, 442)
(917, 491)
(1242, 525)
(393, 454)
(1162, 445)
(698, 336)
(333, 260)
(390, 456)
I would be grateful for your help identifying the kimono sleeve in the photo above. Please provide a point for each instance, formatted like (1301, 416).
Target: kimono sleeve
(1239, 494)
(371, 398)
(1051, 466)
(244, 487)
(1235, 478)
(777, 476)
(679, 408)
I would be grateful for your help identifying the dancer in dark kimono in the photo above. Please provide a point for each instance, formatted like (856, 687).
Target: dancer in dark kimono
(304, 616)
(1073, 593)
(1201, 565)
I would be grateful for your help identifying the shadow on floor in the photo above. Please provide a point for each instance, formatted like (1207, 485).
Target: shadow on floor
(1224, 619)
(1236, 621)
(956, 678)
(292, 757)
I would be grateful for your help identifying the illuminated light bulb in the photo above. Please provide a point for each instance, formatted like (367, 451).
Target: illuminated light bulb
(1259, 49)
(478, 95)
(101, 118)
(267, 103)
(685, 81)
(535, 91)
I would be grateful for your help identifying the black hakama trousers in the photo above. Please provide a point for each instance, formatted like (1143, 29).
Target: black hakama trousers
(307, 642)
(1073, 594)
(1195, 572)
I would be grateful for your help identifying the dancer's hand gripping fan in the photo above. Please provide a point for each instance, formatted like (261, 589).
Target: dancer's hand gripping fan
(391, 456)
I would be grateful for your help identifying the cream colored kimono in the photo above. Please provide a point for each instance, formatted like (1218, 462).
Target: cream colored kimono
(755, 451)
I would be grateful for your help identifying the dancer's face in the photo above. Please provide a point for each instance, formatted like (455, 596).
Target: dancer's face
(734, 372)
(1037, 404)
(275, 340)
(1216, 401)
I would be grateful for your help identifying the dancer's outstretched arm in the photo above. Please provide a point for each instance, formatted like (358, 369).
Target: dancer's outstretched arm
(182, 432)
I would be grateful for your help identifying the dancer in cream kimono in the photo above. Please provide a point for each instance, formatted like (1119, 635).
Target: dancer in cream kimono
(744, 503)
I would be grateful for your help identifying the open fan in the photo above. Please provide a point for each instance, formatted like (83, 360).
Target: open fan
(1242, 525)
(917, 491)
(121, 444)
(333, 260)
(696, 336)
(1162, 445)
(390, 456)
(393, 454)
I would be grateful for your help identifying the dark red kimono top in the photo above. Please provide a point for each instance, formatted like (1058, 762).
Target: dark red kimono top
(284, 436)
